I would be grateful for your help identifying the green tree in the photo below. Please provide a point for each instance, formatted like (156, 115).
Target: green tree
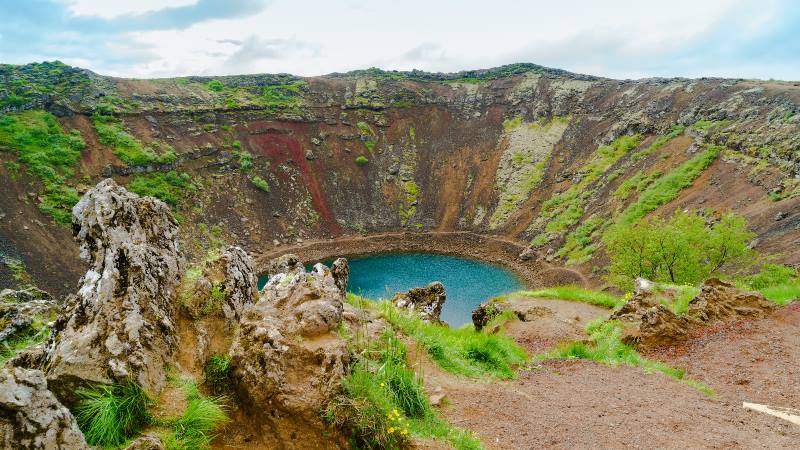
(682, 249)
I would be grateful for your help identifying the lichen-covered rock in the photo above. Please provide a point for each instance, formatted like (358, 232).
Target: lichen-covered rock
(120, 324)
(24, 310)
(288, 263)
(288, 360)
(719, 300)
(341, 274)
(427, 302)
(30, 415)
(225, 283)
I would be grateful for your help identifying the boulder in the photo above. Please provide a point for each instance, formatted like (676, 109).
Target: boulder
(30, 415)
(720, 300)
(648, 324)
(120, 324)
(485, 312)
(149, 441)
(288, 263)
(287, 358)
(427, 302)
(24, 311)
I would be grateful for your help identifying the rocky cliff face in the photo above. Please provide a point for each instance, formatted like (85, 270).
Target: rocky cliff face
(544, 157)
(120, 324)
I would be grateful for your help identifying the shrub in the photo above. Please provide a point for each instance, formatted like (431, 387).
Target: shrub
(108, 415)
(361, 160)
(217, 371)
(681, 250)
(245, 160)
(260, 183)
(215, 86)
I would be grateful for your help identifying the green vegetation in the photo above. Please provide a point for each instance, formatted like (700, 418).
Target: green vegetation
(580, 243)
(284, 95)
(33, 334)
(574, 293)
(676, 131)
(668, 187)
(194, 430)
(462, 351)
(681, 250)
(125, 146)
(510, 124)
(563, 210)
(108, 415)
(367, 136)
(776, 282)
(260, 183)
(383, 403)
(168, 187)
(215, 86)
(361, 160)
(17, 268)
(49, 153)
(607, 348)
(245, 159)
(217, 370)
(638, 182)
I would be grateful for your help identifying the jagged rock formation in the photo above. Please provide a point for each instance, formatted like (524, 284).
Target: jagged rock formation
(226, 283)
(288, 263)
(427, 302)
(31, 418)
(719, 300)
(288, 360)
(121, 322)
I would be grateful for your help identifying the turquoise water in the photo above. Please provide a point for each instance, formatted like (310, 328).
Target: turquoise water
(467, 282)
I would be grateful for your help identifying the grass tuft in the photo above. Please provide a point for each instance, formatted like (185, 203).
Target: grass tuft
(462, 351)
(574, 293)
(195, 429)
(607, 348)
(217, 370)
(108, 415)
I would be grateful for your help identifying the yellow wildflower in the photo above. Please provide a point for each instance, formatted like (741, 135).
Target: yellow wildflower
(391, 430)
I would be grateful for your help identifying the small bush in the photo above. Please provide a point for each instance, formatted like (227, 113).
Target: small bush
(361, 160)
(260, 183)
(215, 86)
(217, 371)
(108, 415)
(245, 160)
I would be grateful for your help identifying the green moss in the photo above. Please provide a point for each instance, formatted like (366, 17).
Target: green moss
(510, 124)
(49, 154)
(125, 146)
(260, 183)
(284, 94)
(361, 160)
(563, 210)
(669, 186)
(169, 187)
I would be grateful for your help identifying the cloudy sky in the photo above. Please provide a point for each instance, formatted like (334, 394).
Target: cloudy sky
(615, 38)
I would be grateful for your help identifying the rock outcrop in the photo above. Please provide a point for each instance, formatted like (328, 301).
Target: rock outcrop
(485, 312)
(719, 300)
(288, 360)
(121, 322)
(30, 415)
(427, 302)
(648, 324)
(224, 283)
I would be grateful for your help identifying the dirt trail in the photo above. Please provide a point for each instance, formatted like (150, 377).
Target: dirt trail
(582, 404)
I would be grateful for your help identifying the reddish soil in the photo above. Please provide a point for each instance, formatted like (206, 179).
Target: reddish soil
(583, 404)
